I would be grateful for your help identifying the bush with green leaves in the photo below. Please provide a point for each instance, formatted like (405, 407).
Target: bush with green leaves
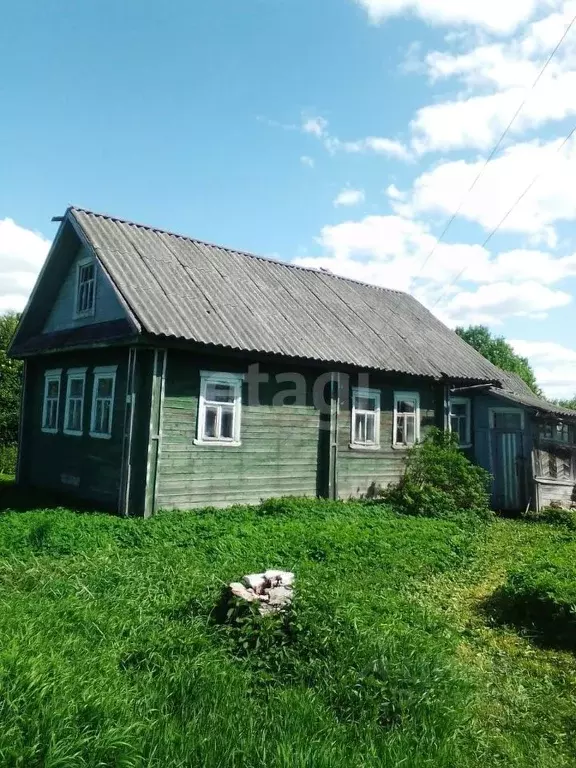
(540, 595)
(554, 515)
(8, 458)
(440, 481)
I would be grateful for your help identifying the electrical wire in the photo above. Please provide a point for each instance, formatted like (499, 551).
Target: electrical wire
(506, 216)
(496, 146)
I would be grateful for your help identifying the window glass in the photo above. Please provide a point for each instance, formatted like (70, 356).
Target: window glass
(365, 418)
(74, 404)
(220, 408)
(460, 420)
(50, 406)
(507, 420)
(406, 419)
(102, 405)
(86, 288)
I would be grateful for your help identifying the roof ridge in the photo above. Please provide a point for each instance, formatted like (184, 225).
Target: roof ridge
(240, 252)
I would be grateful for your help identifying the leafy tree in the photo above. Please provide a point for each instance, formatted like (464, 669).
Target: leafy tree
(499, 352)
(567, 403)
(10, 381)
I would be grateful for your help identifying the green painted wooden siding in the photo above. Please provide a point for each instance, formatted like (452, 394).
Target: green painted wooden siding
(107, 306)
(278, 455)
(50, 460)
(361, 472)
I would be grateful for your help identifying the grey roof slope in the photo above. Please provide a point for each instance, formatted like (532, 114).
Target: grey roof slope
(534, 403)
(512, 382)
(186, 289)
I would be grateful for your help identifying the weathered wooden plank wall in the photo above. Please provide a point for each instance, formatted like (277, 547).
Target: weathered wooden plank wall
(278, 455)
(57, 461)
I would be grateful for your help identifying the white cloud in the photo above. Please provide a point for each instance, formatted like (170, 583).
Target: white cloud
(316, 126)
(491, 303)
(477, 122)
(553, 363)
(552, 199)
(307, 160)
(377, 144)
(22, 253)
(391, 251)
(380, 145)
(349, 196)
(498, 16)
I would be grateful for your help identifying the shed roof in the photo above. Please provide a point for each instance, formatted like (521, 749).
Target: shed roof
(534, 403)
(185, 289)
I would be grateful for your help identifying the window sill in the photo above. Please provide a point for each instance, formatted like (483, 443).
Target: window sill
(218, 443)
(402, 447)
(466, 446)
(100, 436)
(551, 481)
(357, 447)
(49, 431)
(70, 432)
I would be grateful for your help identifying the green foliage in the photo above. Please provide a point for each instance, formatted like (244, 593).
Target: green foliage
(540, 594)
(570, 404)
(8, 458)
(557, 516)
(499, 352)
(440, 481)
(110, 655)
(10, 382)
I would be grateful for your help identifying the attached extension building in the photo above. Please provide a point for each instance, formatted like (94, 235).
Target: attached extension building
(164, 372)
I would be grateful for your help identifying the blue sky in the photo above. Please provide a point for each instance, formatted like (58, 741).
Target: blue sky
(337, 133)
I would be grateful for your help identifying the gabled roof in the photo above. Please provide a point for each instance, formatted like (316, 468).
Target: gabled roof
(184, 289)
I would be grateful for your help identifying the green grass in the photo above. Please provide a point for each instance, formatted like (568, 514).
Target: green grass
(109, 655)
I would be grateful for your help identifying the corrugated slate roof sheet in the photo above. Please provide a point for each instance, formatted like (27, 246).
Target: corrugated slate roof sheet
(186, 289)
(534, 403)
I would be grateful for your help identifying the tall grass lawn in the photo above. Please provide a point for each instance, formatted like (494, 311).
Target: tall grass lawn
(111, 654)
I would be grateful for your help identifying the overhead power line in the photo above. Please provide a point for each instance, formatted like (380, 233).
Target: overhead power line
(496, 146)
(506, 216)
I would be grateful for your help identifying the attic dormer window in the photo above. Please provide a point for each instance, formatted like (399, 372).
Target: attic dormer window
(86, 288)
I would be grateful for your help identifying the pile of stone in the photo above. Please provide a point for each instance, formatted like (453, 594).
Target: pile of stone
(272, 590)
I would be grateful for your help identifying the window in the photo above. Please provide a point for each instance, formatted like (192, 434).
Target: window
(406, 418)
(103, 402)
(86, 288)
(559, 432)
(506, 420)
(365, 418)
(460, 420)
(51, 400)
(219, 409)
(73, 415)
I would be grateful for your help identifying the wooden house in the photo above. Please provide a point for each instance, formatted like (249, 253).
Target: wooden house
(164, 372)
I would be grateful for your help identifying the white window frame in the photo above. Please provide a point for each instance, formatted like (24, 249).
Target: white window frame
(75, 374)
(102, 372)
(230, 379)
(373, 394)
(55, 374)
(87, 312)
(468, 403)
(398, 396)
(493, 411)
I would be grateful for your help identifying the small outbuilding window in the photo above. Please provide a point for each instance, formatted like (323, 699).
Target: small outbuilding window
(219, 408)
(460, 420)
(365, 418)
(406, 419)
(51, 405)
(74, 412)
(86, 288)
(102, 415)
